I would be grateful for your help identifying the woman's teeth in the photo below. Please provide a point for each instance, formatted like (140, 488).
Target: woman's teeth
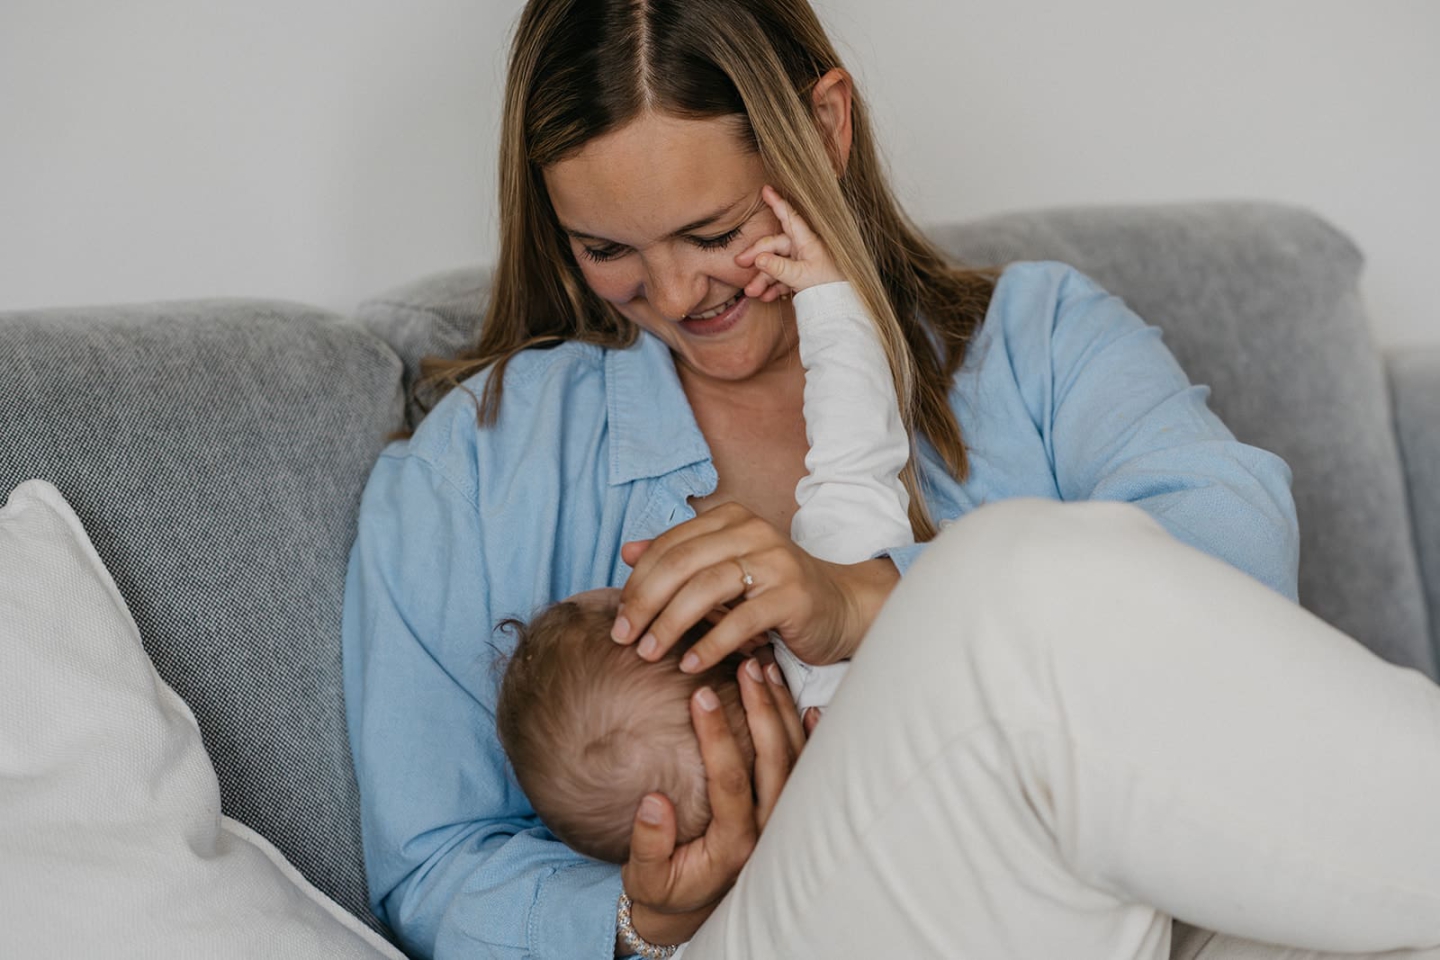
(718, 310)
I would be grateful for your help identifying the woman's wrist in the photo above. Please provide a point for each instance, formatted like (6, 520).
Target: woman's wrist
(867, 585)
(662, 929)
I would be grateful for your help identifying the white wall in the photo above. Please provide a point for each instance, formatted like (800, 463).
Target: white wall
(322, 150)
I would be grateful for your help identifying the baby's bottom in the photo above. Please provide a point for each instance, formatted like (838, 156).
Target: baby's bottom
(1065, 729)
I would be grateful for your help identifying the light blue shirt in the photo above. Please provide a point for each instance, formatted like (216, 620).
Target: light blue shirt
(1065, 394)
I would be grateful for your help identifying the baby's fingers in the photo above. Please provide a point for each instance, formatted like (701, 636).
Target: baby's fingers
(791, 222)
(774, 292)
(774, 243)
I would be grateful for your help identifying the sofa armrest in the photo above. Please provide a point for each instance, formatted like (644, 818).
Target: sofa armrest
(1415, 391)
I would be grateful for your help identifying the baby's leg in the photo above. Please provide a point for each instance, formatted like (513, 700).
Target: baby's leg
(1067, 727)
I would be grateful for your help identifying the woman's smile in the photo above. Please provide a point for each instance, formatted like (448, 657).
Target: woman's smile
(720, 320)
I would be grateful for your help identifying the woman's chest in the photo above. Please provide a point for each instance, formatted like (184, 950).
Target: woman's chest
(758, 467)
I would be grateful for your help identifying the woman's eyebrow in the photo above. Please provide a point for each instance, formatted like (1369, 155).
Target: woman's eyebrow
(694, 225)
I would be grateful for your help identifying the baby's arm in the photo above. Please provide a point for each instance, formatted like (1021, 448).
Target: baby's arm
(852, 504)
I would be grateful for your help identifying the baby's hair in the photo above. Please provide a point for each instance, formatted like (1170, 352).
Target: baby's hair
(590, 728)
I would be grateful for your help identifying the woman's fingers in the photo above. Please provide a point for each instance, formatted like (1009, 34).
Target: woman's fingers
(811, 720)
(758, 645)
(648, 875)
(730, 837)
(632, 552)
(693, 602)
(795, 730)
(656, 554)
(645, 557)
(774, 598)
(745, 619)
(703, 550)
(729, 557)
(774, 752)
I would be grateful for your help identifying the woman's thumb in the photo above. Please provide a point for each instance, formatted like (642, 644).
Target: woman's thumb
(652, 839)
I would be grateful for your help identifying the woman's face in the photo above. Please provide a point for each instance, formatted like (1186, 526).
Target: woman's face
(655, 213)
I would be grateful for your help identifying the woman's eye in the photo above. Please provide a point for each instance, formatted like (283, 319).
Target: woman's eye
(601, 254)
(610, 252)
(715, 243)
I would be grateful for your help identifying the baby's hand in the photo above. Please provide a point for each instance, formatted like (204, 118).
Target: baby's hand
(788, 262)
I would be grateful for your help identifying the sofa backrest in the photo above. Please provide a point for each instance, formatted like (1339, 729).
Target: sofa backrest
(215, 452)
(1259, 301)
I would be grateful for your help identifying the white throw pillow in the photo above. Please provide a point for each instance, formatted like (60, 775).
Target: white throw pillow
(111, 839)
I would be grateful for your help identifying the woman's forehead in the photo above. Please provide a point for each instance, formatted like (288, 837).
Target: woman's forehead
(652, 178)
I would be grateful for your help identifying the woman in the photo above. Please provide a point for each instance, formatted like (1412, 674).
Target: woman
(995, 778)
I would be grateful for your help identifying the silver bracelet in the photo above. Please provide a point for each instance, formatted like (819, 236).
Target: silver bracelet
(632, 941)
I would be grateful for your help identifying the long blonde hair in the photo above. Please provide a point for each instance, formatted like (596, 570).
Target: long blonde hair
(581, 68)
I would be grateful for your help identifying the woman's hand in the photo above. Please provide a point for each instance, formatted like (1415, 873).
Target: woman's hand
(790, 261)
(675, 889)
(728, 557)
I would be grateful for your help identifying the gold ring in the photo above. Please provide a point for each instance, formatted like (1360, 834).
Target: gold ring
(745, 579)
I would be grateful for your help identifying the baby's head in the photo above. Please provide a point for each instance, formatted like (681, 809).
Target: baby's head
(590, 728)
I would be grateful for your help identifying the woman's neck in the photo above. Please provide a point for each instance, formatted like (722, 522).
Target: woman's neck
(755, 430)
(777, 391)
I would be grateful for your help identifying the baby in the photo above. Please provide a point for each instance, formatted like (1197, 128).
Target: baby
(590, 727)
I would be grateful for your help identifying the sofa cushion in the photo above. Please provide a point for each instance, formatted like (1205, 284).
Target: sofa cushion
(216, 451)
(110, 828)
(436, 316)
(1260, 302)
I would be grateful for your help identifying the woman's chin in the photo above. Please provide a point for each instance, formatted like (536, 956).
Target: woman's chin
(742, 347)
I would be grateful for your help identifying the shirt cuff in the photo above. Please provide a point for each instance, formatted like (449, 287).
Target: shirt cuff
(904, 556)
(574, 912)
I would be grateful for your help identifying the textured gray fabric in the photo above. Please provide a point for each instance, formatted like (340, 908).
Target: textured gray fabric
(437, 315)
(1261, 303)
(215, 452)
(1415, 383)
(1258, 301)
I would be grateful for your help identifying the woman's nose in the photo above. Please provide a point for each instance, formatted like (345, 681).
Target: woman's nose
(674, 289)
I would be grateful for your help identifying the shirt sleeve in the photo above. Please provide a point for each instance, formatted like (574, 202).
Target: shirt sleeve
(457, 864)
(851, 502)
(1121, 421)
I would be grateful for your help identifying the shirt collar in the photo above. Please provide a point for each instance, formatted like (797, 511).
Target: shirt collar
(652, 428)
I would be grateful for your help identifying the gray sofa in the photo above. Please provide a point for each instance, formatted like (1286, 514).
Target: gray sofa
(216, 450)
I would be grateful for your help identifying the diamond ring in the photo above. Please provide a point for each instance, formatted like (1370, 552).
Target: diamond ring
(745, 577)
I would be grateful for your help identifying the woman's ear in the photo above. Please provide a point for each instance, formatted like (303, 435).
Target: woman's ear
(831, 102)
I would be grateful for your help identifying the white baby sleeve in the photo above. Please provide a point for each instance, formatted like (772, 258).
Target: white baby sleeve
(852, 504)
